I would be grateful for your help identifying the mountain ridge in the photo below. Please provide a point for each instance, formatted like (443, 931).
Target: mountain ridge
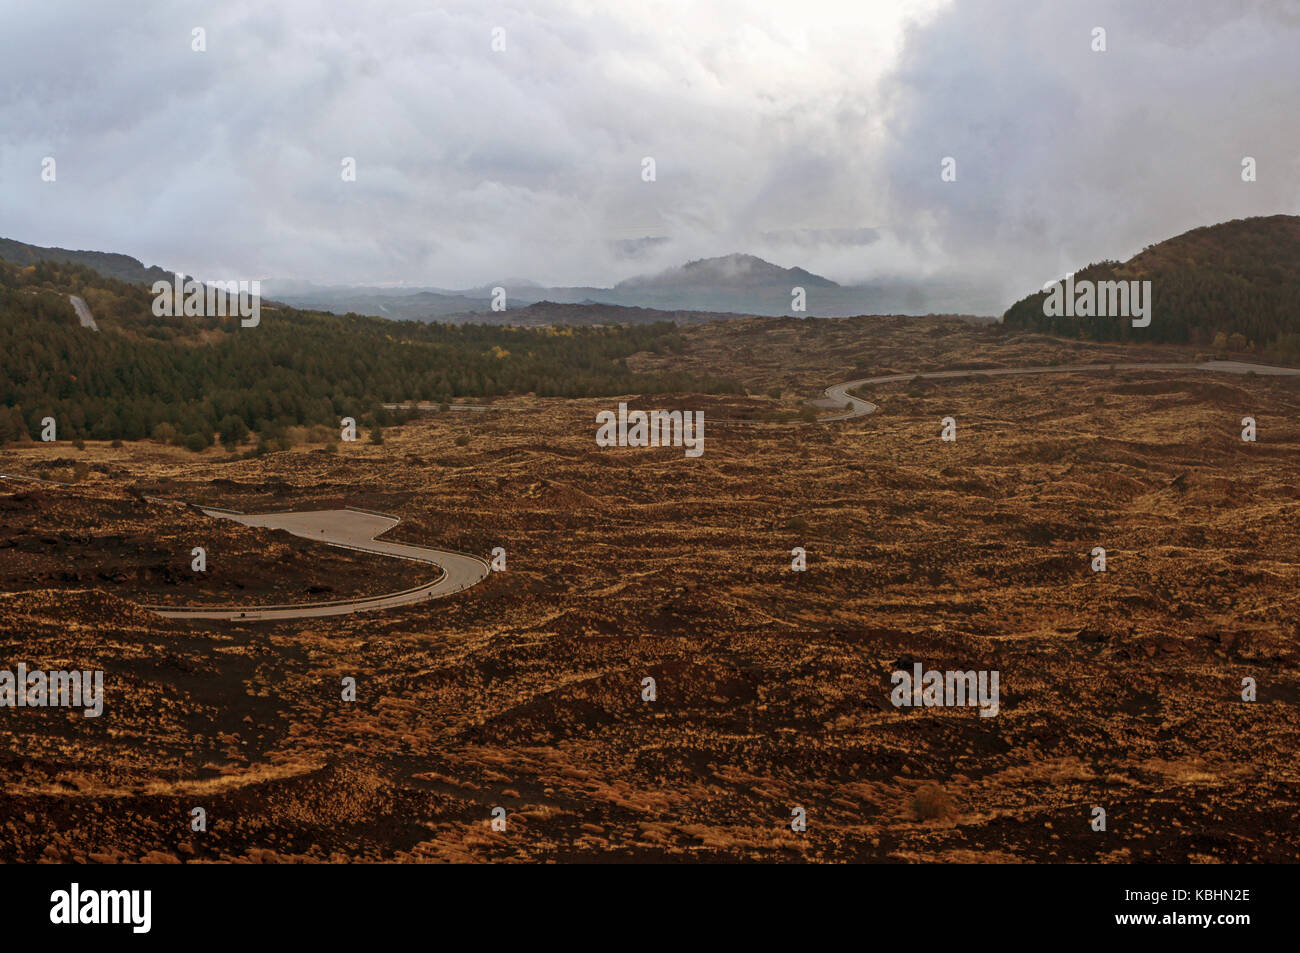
(737, 270)
(1231, 286)
(109, 264)
(726, 285)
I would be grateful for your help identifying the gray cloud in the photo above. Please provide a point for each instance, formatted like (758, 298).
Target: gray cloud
(809, 134)
(1066, 155)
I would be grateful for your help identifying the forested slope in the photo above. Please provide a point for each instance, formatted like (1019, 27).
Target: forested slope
(190, 379)
(1233, 286)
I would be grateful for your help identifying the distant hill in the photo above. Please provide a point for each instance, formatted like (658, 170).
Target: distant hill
(1233, 286)
(736, 272)
(707, 289)
(108, 264)
(559, 314)
(732, 284)
(399, 304)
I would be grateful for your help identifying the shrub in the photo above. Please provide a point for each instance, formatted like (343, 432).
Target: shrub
(233, 430)
(932, 803)
(166, 433)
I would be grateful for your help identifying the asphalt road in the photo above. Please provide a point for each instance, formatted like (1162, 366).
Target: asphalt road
(354, 529)
(838, 393)
(83, 312)
(428, 405)
(350, 529)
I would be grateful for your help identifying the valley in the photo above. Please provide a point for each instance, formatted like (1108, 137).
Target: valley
(771, 687)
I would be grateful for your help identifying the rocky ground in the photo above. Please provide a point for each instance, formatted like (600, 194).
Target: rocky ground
(1120, 690)
(97, 534)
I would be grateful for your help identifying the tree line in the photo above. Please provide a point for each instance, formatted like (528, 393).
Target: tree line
(192, 379)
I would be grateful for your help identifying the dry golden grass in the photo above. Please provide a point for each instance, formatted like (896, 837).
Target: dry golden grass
(1120, 690)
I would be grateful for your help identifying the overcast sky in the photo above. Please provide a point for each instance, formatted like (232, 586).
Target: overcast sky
(810, 133)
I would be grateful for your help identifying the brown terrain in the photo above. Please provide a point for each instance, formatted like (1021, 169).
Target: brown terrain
(1119, 689)
(98, 535)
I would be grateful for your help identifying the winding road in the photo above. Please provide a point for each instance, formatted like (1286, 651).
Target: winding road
(839, 393)
(358, 529)
(83, 312)
(355, 529)
(349, 529)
